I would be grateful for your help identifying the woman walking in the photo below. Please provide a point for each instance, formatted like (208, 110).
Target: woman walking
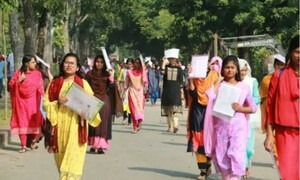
(172, 95)
(100, 80)
(69, 134)
(231, 135)
(136, 80)
(26, 90)
(196, 118)
(255, 118)
(283, 114)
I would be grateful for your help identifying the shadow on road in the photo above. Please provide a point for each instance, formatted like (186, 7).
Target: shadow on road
(175, 144)
(171, 173)
(262, 164)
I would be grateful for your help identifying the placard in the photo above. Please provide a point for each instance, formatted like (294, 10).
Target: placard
(80, 101)
(199, 66)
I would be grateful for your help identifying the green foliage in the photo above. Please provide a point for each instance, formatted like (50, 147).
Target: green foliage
(157, 27)
(58, 37)
(150, 26)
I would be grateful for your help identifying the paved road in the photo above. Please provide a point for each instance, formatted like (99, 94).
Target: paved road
(152, 154)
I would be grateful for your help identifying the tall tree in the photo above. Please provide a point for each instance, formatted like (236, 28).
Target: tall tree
(29, 27)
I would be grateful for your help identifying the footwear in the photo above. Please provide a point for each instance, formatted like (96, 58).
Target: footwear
(139, 127)
(175, 130)
(169, 129)
(125, 122)
(202, 176)
(100, 151)
(247, 175)
(134, 131)
(22, 150)
(34, 145)
(92, 150)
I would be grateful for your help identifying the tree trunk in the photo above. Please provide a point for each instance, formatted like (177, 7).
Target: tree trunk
(84, 43)
(66, 28)
(15, 39)
(1, 30)
(48, 56)
(42, 33)
(29, 27)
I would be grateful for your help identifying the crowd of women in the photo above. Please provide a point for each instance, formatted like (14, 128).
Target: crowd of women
(39, 109)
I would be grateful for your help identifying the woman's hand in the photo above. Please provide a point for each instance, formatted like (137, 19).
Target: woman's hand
(62, 100)
(164, 63)
(269, 141)
(235, 106)
(21, 77)
(189, 69)
(111, 72)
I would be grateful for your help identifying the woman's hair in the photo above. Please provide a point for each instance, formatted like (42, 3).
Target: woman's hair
(61, 66)
(100, 57)
(129, 60)
(138, 59)
(235, 60)
(294, 43)
(25, 60)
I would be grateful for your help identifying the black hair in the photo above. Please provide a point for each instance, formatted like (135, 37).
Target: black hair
(129, 60)
(235, 60)
(100, 57)
(25, 60)
(294, 43)
(61, 66)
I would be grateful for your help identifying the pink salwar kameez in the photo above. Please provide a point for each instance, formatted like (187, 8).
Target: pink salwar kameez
(136, 80)
(229, 139)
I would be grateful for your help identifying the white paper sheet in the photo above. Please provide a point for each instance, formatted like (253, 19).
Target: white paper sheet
(42, 61)
(80, 101)
(106, 59)
(199, 66)
(142, 60)
(227, 95)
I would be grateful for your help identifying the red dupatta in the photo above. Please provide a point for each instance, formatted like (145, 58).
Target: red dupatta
(53, 93)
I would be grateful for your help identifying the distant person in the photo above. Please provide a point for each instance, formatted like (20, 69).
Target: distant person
(69, 133)
(26, 90)
(172, 94)
(153, 88)
(255, 118)
(283, 114)
(2, 67)
(126, 114)
(85, 67)
(136, 81)
(279, 62)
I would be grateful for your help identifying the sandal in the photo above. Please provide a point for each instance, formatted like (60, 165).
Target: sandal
(100, 151)
(175, 130)
(247, 175)
(92, 150)
(134, 131)
(22, 150)
(34, 145)
(202, 176)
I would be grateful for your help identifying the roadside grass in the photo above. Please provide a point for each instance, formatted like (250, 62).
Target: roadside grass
(4, 122)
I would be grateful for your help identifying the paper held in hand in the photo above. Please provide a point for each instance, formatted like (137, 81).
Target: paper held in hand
(227, 95)
(106, 59)
(199, 66)
(80, 101)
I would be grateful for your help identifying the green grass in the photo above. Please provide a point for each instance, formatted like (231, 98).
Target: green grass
(4, 122)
